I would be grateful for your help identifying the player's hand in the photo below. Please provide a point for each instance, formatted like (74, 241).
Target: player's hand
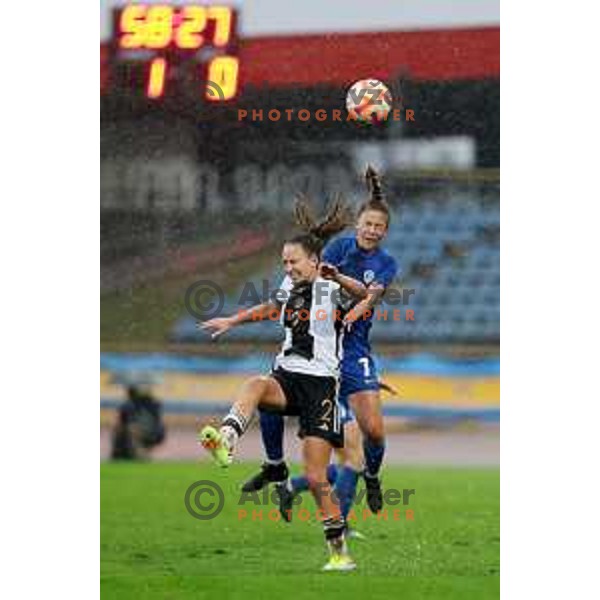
(387, 387)
(351, 317)
(216, 327)
(328, 271)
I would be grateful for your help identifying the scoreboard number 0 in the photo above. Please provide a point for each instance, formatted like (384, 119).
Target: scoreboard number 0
(222, 70)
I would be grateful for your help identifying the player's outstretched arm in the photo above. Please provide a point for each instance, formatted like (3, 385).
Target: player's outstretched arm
(352, 286)
(220, 325)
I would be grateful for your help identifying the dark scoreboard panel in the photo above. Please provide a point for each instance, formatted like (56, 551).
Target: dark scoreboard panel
(160, 50)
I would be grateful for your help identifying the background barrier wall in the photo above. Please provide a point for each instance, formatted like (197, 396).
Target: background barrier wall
(429, 387)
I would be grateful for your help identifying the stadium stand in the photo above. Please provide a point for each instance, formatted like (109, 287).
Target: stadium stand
(449, 254)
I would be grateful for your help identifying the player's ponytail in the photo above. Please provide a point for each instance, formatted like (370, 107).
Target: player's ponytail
(376, 199)
(317, 233)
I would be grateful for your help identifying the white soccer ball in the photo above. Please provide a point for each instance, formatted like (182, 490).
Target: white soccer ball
(369, 101)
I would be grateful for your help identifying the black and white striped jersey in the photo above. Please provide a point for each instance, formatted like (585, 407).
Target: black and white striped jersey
(311, 317)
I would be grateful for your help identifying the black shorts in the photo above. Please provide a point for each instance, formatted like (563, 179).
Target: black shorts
(314, 400)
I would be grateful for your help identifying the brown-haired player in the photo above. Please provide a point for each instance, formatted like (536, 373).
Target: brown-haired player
(304, 379)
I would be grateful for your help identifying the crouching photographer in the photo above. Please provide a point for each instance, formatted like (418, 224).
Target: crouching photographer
(139, 426)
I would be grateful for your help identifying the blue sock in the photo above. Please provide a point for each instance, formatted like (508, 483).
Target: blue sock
(345, 488)
(300, 484)
(373, 456)
(332, 473)
(271, 428)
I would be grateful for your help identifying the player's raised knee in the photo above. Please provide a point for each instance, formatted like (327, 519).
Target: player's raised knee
(258, 384)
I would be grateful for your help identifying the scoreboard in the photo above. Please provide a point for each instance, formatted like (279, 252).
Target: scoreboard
(161, 50)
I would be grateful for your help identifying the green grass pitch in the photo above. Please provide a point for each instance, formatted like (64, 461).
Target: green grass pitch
(152, 548)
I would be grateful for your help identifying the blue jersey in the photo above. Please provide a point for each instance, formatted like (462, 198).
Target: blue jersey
(374, 267)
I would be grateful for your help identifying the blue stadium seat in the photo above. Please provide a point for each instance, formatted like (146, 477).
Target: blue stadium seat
(458, 301)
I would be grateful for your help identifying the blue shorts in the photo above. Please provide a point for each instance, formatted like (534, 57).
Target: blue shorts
(356, 376)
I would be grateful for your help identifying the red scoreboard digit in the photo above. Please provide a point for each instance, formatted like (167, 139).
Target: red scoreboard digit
(162, 36)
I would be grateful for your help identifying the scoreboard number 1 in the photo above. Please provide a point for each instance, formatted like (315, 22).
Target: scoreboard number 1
(156, 78)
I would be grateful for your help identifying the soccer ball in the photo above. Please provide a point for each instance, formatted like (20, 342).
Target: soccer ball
(369, 101)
